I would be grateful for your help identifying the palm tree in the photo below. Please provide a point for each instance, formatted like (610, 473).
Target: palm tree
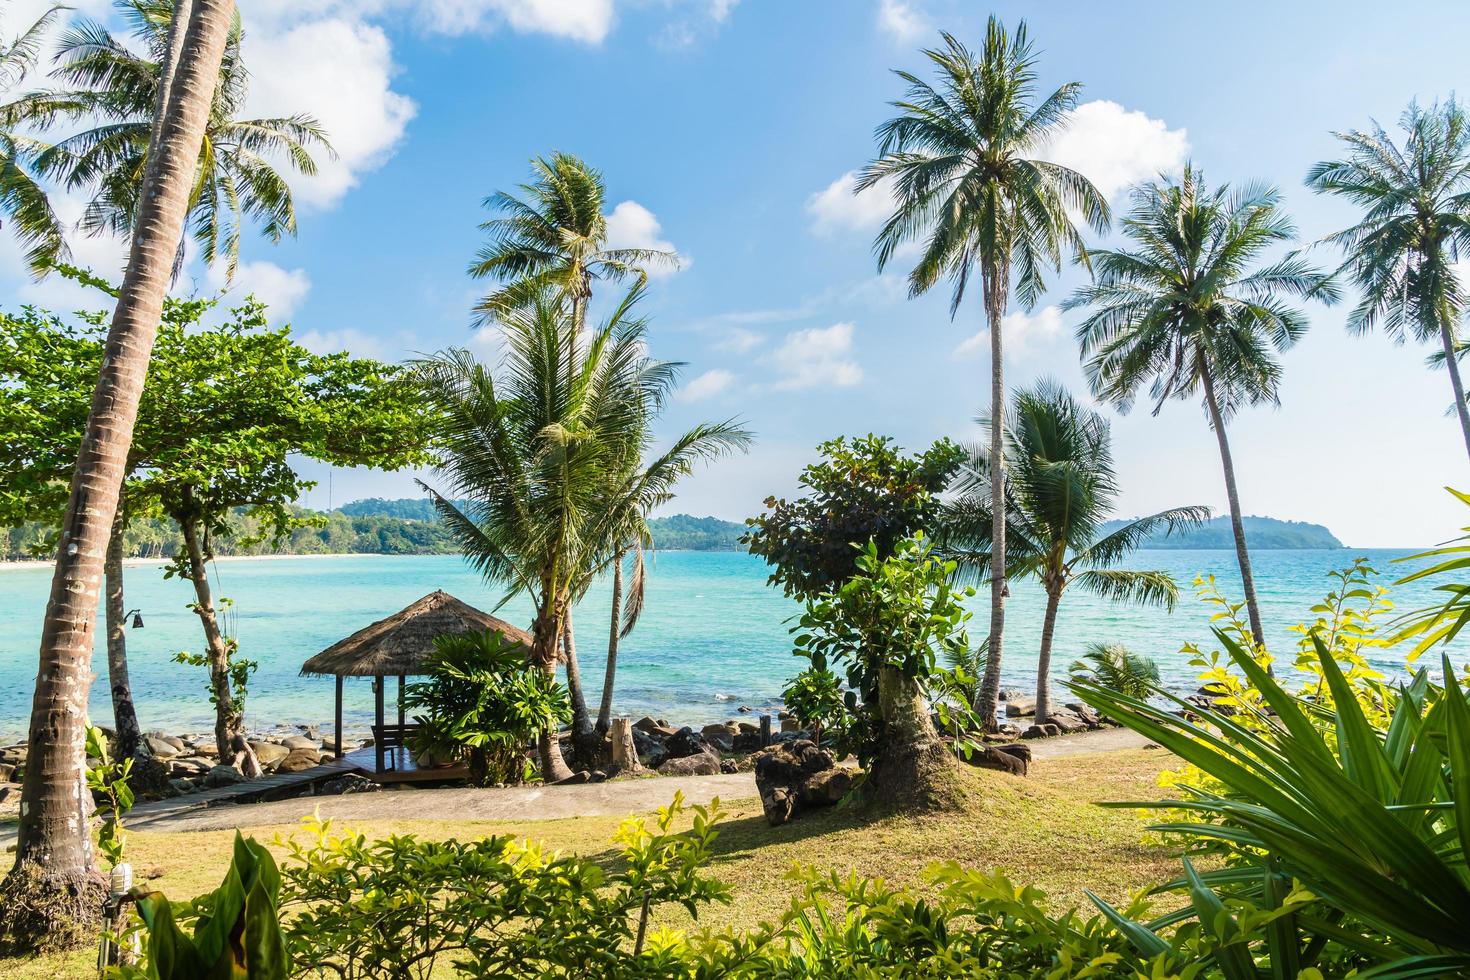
(1060, 488)
(1116, 668)
(1187, 309)
(114, 86)
(1415, 227)
(959, 157)
(535, 451)
(52, 894)
(22, 199)
(554, 236)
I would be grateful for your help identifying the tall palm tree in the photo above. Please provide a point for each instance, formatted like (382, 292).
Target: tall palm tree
(113, 85)
(22, 199)
(534, 450)
(1415, 227)
(1060, 489)
(1189, 309)
(961, 159)
(52, 894)
(554, 236)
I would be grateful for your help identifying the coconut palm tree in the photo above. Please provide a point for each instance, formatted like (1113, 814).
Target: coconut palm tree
(52, 896)
(1192, 308)
(1060, 489)
(22, 199)
(536, 451)
(1415, 228)
(112, 84)
(961, 160)
(554, 236)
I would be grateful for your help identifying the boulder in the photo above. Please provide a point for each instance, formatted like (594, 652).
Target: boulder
(151, 776)
(302, 742)
(575, 779)
(189, 765)
(6, 771)
(1066, 722)
(798, 775)
(1020, 707)
(223, 776)
(1018, 750)
(721, 736)
(13, 755)
(181, 786)
(685, 742)
(705, 763)
(269, 754)
(747, 741)
(993, 757)
(299, 760)
(1041, 731)
(1084, 712)
(651, 751)
(789, 724)
(1011, 694)
(729, 766)
(347, 783)
(163, 746)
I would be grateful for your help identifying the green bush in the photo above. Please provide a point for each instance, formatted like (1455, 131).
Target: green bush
(1115, 667)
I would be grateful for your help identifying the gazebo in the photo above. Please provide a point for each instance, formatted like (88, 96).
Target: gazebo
(397, 646)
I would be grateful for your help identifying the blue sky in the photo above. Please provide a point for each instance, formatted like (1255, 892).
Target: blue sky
(725, 128)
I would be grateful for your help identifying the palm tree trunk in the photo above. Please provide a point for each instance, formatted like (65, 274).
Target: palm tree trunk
(546, 639)
(124, 715)
(52, 897)
(990, 687)
(604, 710)
(1043, 661)
(1453, 367)
(169, 69)
(227, 718)
(1237, 524)
(585, 743)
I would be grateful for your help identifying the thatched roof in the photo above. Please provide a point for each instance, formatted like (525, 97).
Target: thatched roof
(398, 644)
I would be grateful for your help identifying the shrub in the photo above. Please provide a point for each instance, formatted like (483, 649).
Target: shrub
(1115, 667)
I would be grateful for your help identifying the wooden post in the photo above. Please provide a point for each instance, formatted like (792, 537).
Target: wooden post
(624, 749)
(378, 735)
(340, 679)
(401, 678)
(765, 731)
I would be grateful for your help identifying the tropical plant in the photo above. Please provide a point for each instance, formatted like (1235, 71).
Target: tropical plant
(959, 157)
(554, 237)
(112, 86)
(534, 452)
(815, 698)
(1060, 488)
(1416, 226)
(885, 627)
(1188, 309)
(22, 198)
(51, 898)
(1114, 667)
(966, 666)
(484, 699)
(109, 780)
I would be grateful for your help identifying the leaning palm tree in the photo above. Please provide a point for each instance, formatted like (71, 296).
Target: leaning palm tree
(1188, 309)
(1060, 489)
(22, 199)
(52, 897)
(961, 159)
(536, 450)
(112, 84)
(1415, 228)
(554, 236)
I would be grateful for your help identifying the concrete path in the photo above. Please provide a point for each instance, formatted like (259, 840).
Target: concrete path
(1102, 740)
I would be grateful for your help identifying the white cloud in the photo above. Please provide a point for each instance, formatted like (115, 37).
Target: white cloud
(738, 340)
(719, 10)
(588, 21)
(281, 290)
(1115, 147)
(900, 19)
(354, 342)
(1020, 331)
(707, 385)
(631, 225)
(817, 357)
(837, 208)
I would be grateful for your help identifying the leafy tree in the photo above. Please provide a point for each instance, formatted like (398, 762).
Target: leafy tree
(1415, 228)
(536, 452)
(1115, 668)
(111, 85)
(1187, 309)
(51, 897)
(960, 158)
(22, 198)
(1061, 487)
(554, 237)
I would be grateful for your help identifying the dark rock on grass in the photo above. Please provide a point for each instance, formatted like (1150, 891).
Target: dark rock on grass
(705, 763)
(995, 757)
(1041, 731)
(798, 775)
(575, 779)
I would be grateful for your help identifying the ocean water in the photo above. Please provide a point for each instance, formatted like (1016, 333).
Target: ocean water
(713, 635)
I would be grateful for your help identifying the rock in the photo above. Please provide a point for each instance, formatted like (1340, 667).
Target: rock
(685, 742)
(223, 776)
(1012, 694)
(181, 786)
(745, 709)
(992, 757)
(299, 760)
(1041, 731)
(151, 776)
(721, 737)
(729, 766)
(302, 742)
(789, 724)
(797, 775)
(651, 751)
(748, 727)
(13, 755)
(575, 779)
(269, 754)
(704, 763)
(347, 783)
(1084, 712)
(747, 741)
(190, 765)
(163, 746)
(646, 724)
(6, 771)
(1066, 722)
(1020, 707)
(1019, 751)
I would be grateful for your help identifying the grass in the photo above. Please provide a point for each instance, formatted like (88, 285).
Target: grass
(1042, 829)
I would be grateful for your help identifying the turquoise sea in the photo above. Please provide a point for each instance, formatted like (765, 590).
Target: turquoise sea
(713, 636)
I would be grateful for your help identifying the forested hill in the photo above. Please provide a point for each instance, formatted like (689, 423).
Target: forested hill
(1260, 532)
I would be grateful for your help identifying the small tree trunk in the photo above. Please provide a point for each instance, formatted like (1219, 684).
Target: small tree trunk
(915, 771)
(624, 749)
(227, 719)
(1237, 524)
(1451, 365)
(1043, 662)
(51, 899)
(586, 744)
(124, 715)
(604, 710)
(546, 638)
(995, 286)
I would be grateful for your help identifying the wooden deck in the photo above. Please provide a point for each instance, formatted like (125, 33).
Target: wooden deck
(399, 767)
(270, 787)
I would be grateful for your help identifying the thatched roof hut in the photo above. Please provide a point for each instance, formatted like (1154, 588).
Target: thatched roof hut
(398, 644)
